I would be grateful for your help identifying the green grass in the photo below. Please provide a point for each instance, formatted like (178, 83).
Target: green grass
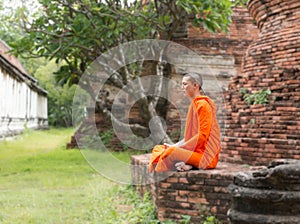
(42, 182)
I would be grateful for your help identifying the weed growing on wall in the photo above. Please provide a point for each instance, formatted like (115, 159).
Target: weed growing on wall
(106, 137)
(259, 97)
(211, 220)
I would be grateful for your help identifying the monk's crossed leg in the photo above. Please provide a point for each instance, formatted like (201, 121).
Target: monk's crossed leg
(173, 155)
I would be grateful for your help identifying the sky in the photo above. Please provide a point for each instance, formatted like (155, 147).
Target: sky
(9, 6)
(13, 4)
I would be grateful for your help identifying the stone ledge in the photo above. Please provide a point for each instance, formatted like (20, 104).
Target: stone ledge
(245, 218)
(222, 166)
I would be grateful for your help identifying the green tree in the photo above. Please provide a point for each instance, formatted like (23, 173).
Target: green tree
(60, 98)
(12, 18)
(11, 30)
(76, 32)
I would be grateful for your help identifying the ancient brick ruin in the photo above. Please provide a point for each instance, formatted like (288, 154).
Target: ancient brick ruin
(255, 134)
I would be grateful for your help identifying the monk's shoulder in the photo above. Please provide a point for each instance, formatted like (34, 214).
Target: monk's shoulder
(201, 102)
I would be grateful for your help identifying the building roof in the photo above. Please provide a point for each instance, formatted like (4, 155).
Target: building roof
(13, 67)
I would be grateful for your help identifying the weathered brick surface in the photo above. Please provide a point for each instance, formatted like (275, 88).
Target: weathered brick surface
(193, 193)
(241, 33)
(258, 134)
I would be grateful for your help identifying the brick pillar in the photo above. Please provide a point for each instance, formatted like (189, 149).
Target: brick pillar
(257, 134)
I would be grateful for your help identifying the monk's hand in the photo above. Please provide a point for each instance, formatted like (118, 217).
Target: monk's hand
(167, 145)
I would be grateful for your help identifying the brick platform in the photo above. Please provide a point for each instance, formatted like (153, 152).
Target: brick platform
(254, 134)
(194, 193)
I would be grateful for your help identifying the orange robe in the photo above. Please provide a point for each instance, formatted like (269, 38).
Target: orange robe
(201, 146)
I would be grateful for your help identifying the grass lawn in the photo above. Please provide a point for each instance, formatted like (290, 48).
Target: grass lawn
(42, 182)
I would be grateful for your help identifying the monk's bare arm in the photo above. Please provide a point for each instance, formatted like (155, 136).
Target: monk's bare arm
(178, 144)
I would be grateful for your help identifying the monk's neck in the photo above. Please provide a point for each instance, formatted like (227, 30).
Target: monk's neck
(196, 95)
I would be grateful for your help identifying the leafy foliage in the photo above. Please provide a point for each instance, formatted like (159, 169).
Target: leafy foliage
(78, 31)
(213, 15)
(75, 32)
(144, 209)
(211, 220)
(10, 28)
(259, 97)
(60, 98)
(239, 3)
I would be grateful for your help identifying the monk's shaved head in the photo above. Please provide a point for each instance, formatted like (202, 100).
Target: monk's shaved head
(194, 78)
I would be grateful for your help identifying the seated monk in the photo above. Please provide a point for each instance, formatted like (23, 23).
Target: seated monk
(201, 146)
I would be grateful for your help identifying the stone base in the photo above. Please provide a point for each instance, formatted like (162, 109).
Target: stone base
(194, 193)
(11, 127)
(267, 196)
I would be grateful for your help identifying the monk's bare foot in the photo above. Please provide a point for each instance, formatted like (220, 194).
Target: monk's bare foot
(181, 166)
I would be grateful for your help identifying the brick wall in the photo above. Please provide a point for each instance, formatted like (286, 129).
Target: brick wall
(194, 193)
(257, 134)
(242, 32)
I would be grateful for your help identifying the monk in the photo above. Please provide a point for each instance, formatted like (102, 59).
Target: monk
(201, 146)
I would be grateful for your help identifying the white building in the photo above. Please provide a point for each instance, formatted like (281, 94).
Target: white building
(23, 104)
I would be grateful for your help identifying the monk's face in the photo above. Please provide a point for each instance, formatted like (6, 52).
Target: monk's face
(189, 88)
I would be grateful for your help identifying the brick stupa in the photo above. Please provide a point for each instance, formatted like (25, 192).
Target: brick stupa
(257, 134)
